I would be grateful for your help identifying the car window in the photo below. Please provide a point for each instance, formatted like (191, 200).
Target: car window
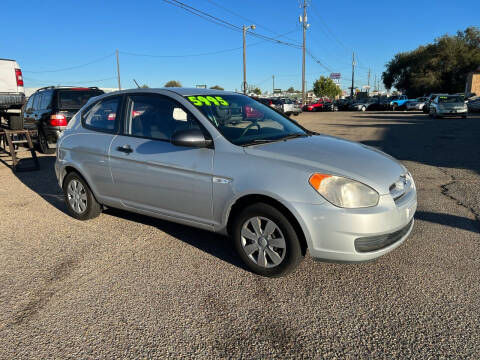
(29, 105)
(37, 101)
(74, 99)
(243, 120)
(102, 116)
(46, 100)
(157, 117)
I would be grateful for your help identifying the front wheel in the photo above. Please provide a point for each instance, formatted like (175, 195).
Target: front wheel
(81, 204)
(266, 241)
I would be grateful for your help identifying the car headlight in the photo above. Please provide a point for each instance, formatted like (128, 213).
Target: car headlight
(344, 192)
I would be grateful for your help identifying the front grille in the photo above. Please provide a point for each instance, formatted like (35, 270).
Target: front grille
(373, 243)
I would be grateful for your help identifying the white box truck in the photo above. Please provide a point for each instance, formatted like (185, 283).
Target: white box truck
(12, 94)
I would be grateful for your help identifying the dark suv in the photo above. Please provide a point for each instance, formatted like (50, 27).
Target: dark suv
(49, 109)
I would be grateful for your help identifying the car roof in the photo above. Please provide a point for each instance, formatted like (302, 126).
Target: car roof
(178, 90)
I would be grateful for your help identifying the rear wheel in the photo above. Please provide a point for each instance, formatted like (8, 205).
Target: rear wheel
(81, 204)
(43, 143)
(266, 241)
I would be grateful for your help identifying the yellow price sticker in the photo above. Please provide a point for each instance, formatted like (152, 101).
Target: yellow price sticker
(208, 100)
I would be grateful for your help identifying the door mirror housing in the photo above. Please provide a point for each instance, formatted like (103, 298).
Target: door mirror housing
(190, 138)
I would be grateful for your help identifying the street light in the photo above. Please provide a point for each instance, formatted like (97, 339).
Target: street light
(245, 28)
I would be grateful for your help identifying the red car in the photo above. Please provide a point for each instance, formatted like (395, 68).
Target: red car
(318, 106)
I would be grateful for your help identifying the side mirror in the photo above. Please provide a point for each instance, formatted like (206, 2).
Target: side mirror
(190, 138)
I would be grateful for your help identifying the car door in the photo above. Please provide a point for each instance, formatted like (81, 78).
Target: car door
(153, 175)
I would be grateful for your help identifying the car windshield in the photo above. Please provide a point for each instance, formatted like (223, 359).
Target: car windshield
(244, 121)
(450, 99)
(75, 99)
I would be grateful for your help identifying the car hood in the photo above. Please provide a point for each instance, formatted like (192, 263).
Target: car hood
(328, 154)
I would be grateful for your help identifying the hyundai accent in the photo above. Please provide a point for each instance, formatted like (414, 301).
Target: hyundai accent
(224, 162)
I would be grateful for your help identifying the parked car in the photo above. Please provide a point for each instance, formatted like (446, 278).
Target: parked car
(330, 106)
(316, 106)
(415, 104)
(342, 104)
(430, 98)
(288, 107)
(12, 94)
(367, 104)
(448, 105)
(49, 110)
(473, 104)
(398, 103)
(192, 156)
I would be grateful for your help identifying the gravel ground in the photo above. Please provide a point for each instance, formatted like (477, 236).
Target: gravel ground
(129, 286)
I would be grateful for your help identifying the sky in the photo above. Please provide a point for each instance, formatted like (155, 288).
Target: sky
(73, 42)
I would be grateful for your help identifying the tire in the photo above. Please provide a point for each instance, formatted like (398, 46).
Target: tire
(276, 261)
(394, 107)
(43, 143)
(15, 122)
(84, 206)
(364, 108)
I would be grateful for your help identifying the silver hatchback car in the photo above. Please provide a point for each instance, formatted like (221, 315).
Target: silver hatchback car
(224, 162)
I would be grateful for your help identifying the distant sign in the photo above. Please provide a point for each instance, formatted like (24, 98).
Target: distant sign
(335, 76)
(277, 91)
(201, 86)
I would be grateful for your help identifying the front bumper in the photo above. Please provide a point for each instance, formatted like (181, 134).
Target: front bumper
(452, 112)
(336, 234)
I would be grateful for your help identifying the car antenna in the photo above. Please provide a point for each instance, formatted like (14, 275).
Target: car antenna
(138, 86)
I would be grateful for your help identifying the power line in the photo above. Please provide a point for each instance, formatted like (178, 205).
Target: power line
(200, 54)
(70, 82)
(225, 23)
(71, 67)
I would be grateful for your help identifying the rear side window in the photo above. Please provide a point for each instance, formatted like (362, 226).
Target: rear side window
(102, 116)
(75, 99)
(46, 100)
(29, 106)
(36, 101)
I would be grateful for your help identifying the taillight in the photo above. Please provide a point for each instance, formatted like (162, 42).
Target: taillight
(58, 120)
(18, 75)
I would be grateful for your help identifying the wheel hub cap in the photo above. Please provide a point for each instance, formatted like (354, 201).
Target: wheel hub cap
(263, 242)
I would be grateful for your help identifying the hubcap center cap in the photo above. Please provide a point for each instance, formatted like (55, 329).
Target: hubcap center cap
(262, 241)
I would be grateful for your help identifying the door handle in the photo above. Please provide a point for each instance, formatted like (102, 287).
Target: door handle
(125, 149)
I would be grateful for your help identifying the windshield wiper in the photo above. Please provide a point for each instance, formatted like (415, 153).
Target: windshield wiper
(284, 138)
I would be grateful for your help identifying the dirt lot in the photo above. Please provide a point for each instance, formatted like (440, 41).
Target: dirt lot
(129, 286)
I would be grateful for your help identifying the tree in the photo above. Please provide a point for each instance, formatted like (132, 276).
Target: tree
(441, 66)
(291, 89)
(173, 83)
(144, 86)
(257, 91)
(326, 87)
(217, 87)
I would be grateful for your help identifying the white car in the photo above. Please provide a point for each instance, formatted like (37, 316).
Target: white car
(448, 105)
(12, 94)
(416, 104)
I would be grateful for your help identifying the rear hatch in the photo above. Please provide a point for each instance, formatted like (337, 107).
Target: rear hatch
(69, 101)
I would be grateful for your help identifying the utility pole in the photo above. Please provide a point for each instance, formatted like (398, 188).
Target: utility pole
(273, 84)
(118, 71)
(368, 83)
(304, 22)
(244, 85)
(353, 74)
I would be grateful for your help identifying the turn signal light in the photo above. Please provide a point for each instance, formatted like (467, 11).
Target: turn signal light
(316, 180)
